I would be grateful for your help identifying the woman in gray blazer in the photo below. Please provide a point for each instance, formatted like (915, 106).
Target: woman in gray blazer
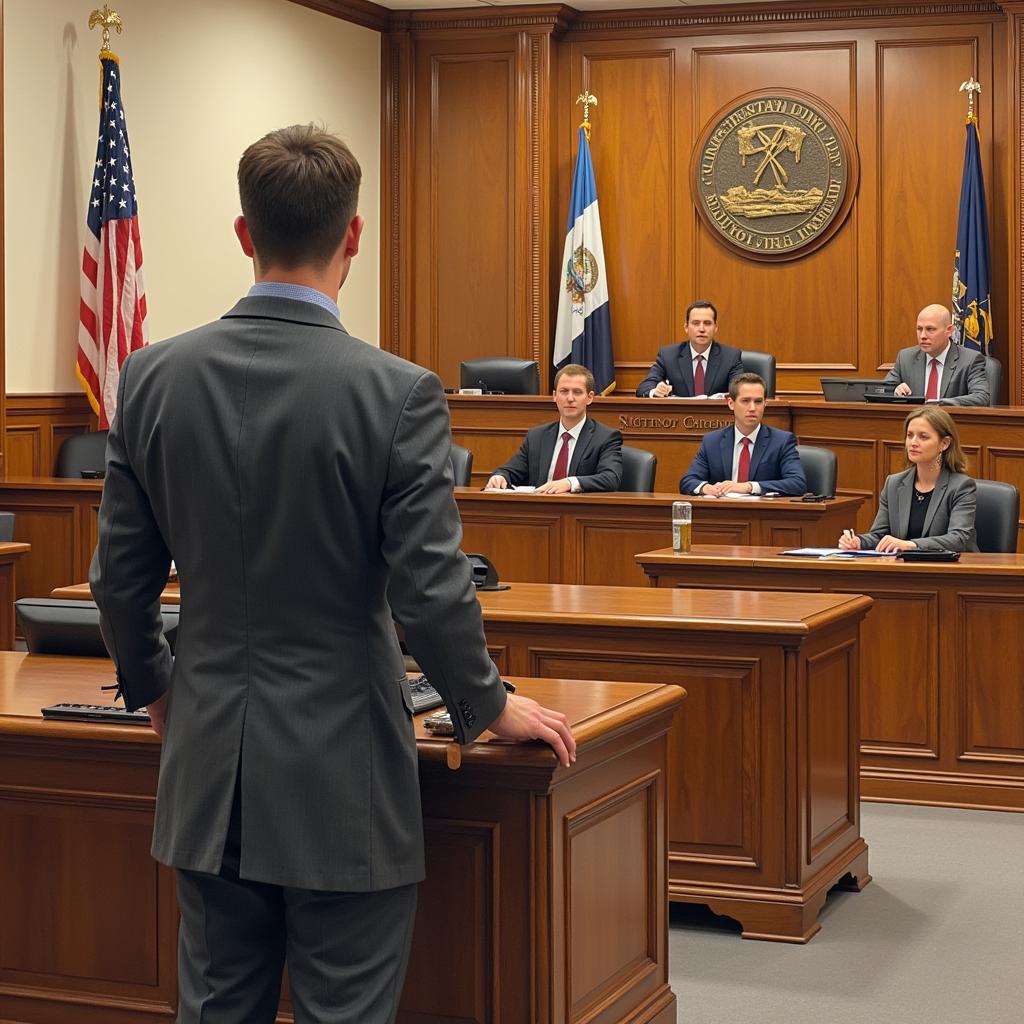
(929, 506)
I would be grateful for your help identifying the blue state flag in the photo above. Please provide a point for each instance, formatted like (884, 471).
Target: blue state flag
(583, 330)
(972, 305)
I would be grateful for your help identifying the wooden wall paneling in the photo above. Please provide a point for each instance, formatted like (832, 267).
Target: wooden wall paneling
(772, 307)
(639, 164)
(919, 110)
(36, 427)
(464, 201)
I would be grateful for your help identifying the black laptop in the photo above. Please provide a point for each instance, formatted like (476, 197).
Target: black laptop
(856, 389)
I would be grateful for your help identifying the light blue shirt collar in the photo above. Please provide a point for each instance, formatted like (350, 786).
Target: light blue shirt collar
(283, 290)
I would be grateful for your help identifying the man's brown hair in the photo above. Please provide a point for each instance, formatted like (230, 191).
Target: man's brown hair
(299, 187)
(574, 370)
(746, 378)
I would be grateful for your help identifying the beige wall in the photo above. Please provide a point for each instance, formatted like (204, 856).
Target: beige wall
(200, 81)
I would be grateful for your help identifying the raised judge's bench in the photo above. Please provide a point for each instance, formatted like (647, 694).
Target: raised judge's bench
(867, 439)
(545, 897)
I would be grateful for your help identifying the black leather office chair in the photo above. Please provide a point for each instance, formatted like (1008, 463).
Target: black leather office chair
(462, 465)
(501, 373)
(82, 451)
(638, 469)
(994, 376)
(6, 526)
(820, 469)
(53, 626)
(763, 364)
(995, 520)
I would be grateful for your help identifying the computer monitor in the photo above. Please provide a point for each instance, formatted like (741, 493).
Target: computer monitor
(52, 626)
(500, 373)
(849, 389)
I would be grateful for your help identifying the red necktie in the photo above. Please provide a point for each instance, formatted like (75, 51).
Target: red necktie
(562, 462)
(932, 391)
(743, 473)
(698, 377)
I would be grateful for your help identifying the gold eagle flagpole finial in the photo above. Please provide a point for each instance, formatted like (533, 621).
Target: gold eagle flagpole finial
(588, 100)
(970, 87)
(108, 19)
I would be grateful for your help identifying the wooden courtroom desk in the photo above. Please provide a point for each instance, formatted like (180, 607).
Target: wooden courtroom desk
(10, 553)
(530, 537)
(866, 438)
(942, 714)
(544, 901)
(764, 791)
(593, 538)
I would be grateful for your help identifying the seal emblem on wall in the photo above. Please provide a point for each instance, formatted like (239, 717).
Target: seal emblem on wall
(774, 174)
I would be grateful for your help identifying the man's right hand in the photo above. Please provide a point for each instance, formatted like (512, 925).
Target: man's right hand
(661, 390)
(525, 719)
(496, 483)
(902, 389)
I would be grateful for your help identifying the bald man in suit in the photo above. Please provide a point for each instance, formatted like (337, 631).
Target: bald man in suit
(936, 368)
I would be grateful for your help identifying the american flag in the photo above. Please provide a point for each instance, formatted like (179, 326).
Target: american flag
(112, 311)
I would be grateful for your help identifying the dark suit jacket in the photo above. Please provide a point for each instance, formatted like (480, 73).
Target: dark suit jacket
(948, 524)
(774, 462)
(596, 461)
(963, 375)
(675, 364)
(300, 480)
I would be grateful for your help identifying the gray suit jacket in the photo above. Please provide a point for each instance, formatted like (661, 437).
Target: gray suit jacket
(948, 524)
(963, 375)
(300, 480)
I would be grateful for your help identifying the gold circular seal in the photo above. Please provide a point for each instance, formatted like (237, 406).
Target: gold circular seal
(774, 174)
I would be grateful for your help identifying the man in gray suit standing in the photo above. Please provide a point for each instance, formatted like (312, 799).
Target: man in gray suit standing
(937, 369)
(300, 480)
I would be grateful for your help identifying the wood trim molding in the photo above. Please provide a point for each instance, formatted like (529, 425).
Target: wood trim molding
(553, 17)
(1015, 88)
(359, 12)
(396, 198)
(739, 16)
(47, 403)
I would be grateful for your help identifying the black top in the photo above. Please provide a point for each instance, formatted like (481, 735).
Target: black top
(918, 511)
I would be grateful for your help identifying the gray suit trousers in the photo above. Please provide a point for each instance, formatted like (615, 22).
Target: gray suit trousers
(346, 952)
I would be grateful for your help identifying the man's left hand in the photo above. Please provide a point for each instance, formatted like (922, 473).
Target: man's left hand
(555, 487)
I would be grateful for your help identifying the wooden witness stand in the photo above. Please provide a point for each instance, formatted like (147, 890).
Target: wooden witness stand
(763, 784)
(545, 891)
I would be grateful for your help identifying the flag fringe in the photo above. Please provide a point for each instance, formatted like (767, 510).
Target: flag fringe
(87, 388)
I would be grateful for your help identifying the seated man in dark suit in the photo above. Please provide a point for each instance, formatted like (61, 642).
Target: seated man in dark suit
(575, 454)
(698, 366)
(937, 369)
(748, 457)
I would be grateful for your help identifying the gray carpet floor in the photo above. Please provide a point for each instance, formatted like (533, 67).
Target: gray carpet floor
(936, 938)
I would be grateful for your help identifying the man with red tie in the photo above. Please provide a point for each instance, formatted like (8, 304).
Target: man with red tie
(699, 366)
(749, 457)
(937, 369)
(575, 454)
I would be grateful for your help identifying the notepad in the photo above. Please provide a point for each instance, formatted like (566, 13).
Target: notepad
(838, 553)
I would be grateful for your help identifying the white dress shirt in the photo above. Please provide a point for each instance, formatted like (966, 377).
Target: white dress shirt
(737, 449)
(575, 436)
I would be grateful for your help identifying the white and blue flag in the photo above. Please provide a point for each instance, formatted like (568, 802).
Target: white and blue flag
(583, 330)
